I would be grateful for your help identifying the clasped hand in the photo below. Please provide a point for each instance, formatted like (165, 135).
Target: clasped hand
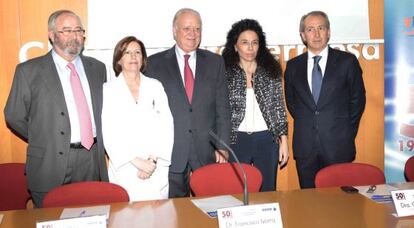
(146, 167)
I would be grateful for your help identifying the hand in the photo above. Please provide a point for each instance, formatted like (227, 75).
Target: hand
(143, 175)
(146, 167)
(283, 150)
(221, 156)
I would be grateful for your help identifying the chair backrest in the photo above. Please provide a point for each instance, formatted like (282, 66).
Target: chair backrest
(352, 174)
(83, 193)
(409, 169)
(13, 187)
(224, 178)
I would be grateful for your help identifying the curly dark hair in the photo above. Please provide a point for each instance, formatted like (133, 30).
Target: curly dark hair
(264, 58)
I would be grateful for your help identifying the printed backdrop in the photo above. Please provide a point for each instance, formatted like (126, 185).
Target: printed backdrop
(399, 87)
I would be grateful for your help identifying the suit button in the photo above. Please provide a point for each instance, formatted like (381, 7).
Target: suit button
(316, 113)
(61, 153)
(190, 131)
(191, 110)
(62, 133)
(62, 113)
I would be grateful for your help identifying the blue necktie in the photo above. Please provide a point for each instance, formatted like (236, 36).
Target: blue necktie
(316, 78)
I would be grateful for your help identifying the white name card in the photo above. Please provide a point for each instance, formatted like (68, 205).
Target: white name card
(87, 222)
(403, 202)
(260, 215)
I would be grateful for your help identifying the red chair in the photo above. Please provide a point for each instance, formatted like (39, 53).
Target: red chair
(409, 169)
(82, 193)
(13, 188)
(352, 174)
(224, 178)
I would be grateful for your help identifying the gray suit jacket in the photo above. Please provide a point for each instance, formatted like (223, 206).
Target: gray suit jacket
(36, 110)
(210, 109)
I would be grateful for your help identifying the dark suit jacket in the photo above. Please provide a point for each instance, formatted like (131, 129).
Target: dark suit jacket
(209, 110)
(338, 112)
(36, 110)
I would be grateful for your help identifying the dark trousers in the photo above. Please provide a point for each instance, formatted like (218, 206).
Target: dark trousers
(179, 184)
(81, 167)
(307, 167)
(261, 150)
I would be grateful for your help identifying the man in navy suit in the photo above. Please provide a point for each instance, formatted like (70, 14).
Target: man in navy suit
(325, 95)
(199, 103)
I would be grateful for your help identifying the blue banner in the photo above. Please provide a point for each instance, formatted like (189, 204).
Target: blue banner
(399, 87)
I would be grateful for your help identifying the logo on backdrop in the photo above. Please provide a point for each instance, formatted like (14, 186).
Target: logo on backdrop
(409, 26)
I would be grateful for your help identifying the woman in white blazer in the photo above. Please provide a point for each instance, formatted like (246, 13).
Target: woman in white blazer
(137, 125)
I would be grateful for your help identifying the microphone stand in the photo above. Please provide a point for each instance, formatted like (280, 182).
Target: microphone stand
(245, 193)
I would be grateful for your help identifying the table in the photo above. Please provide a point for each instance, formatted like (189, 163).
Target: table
(324, 207)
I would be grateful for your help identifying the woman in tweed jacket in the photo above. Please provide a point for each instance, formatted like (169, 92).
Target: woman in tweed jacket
(258, 116)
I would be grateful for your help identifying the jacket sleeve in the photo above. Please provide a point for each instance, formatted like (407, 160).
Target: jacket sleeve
(163, 127)
(357, 94)
(223, 122)
(289, 93)
(17, 108)
(115, 136)
(282, 123)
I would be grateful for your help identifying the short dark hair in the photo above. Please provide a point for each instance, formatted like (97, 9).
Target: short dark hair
(313, 13)
(119, 51)
(264, 58)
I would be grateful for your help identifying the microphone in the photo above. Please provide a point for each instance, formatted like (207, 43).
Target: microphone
(245, 193)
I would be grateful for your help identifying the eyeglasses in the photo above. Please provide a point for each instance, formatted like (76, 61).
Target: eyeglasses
(68, 32)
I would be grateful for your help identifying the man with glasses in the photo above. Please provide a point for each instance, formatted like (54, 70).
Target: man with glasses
(325, 95)
(55, 104)
(198, 97)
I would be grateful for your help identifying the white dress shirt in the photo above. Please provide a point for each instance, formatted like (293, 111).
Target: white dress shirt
(137, 130)
(322, 64)
(64, 76)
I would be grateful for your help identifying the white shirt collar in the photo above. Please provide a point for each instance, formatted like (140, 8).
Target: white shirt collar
(180, 53)
(323, 53)
(61, 62)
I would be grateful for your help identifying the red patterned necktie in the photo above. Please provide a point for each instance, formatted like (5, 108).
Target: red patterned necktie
(84, 115)
(188, 78)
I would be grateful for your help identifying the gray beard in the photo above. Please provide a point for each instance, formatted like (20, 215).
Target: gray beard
(69, 48)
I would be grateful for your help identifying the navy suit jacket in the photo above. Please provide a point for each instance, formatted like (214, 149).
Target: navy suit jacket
(339, 109)
(210, 109)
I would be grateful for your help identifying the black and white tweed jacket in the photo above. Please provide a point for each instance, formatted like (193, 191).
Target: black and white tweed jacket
(269, 96)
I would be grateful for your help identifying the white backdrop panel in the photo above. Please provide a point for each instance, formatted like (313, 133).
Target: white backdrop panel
(151, 21)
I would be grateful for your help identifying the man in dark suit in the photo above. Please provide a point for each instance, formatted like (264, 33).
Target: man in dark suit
(199, 102)
(55, 103)
(325, 95)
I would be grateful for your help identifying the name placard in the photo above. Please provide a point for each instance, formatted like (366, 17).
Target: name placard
(403, 202)
(260, 215)
(87, 222)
